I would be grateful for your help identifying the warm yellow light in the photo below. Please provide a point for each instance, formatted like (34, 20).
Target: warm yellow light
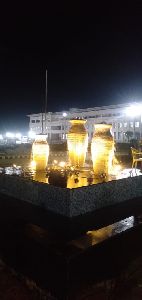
(40, 152)
(102, 150)
(77, 140)
(40, 176)
(33, 165)
(74, 181)
(134, 110)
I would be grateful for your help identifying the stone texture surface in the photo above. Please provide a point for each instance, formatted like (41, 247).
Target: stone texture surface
(72, 202)
(87, 199)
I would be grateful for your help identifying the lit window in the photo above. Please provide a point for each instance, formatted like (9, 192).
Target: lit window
(125, 124)
(131, 124)
(136, 124)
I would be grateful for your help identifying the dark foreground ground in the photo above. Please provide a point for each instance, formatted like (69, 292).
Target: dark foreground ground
(128, 286)
(52, 256)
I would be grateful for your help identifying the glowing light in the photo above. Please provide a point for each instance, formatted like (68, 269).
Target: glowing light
(134, 110)
(1, 137)
(33, 165)
(76, 181)
(64, 114)
(77, 140)
(116, 170)
(31, 134)
(102, 150)
(10, 135)
(62, 164)
(40, 152)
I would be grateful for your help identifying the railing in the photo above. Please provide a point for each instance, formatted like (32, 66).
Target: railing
(136, 156)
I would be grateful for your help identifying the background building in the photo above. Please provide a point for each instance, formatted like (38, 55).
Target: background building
(126, 120)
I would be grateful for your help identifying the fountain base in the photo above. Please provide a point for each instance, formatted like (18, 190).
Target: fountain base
(72, 202)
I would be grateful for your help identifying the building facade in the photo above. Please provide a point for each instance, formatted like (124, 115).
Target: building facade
(126, 120)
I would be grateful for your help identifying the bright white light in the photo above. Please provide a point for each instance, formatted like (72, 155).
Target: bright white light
(10, 135)
(134, 110)
(1, 137)
(64, 114)
(31, 134)
(55, 161)
(18, 135)
(62, 164)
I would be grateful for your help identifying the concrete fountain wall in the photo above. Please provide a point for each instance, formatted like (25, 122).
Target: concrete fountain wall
(71, 202)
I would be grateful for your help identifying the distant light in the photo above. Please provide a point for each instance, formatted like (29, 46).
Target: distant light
(64, 114)
(31, 134)
(33, 164)
(18, 135)
(10, 135)
(1, 137)
(134, 110)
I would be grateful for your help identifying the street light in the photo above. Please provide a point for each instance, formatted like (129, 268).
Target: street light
(10, 135)
(134, 110)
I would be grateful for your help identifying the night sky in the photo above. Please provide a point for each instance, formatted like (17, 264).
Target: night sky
(94, 58)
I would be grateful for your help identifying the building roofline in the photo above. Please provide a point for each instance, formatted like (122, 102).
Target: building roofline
(96, 108)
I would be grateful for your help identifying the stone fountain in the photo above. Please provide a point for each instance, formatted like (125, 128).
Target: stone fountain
(77, 140)
(102, 150)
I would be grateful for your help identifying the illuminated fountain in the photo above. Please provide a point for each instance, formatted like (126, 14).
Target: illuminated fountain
(102, 150)
(77, 140)
(40, 152)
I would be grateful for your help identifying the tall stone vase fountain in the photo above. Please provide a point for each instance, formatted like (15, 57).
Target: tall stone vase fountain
(40, 152)
(77, 141)
(102, 150)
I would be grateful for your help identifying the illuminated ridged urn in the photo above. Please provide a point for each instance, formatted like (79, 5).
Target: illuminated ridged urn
(102, 150)
(40, 152)
(77, 140)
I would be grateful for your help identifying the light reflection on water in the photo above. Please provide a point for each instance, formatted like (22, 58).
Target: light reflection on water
(83, 178)
(94, 237)
(89, 239)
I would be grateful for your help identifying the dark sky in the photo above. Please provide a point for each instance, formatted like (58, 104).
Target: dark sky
(93, 56)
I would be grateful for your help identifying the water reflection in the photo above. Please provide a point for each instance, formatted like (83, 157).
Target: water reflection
(40, 176)
(94, 237)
